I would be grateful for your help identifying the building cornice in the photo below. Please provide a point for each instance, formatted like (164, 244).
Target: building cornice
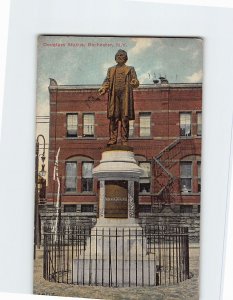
(92, 87)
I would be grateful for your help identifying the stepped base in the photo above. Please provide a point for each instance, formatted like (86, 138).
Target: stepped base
(116, 254)
(117, 223)
(117, 272)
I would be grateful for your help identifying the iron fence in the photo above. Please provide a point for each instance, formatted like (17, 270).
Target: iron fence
(117, 257)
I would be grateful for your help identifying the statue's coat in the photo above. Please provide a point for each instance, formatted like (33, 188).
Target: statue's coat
(109, 85)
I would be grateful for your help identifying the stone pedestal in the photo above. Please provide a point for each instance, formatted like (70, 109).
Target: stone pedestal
(116, 249)
(116, 257)
(118, 174)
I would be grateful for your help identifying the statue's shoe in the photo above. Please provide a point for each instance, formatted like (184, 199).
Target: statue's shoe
(111, 142)
(125, 143)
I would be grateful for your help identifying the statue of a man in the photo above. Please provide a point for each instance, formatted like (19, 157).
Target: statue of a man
(119, 84)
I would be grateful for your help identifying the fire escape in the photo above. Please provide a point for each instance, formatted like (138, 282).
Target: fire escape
(166, 185)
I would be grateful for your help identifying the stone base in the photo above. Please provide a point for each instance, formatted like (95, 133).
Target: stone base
(117, 246)
(117, 223)
(117, 273)
(116, 236)
(116, 254)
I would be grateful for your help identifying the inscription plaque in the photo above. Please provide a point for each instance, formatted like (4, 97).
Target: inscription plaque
(116, 199)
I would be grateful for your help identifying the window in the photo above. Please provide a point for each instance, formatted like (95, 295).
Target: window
(185, 124)
(71, 125)
(144, 182)
(199, 176)
(186, 209)
(131, 127)
(87, 177)
(88, 125)
(69, 208)
(87, 208)
(145, 124)
(71, 177)
(186, 177)
(145, 208)
(199, 123)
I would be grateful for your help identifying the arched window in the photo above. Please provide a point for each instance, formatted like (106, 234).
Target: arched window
(190, 174)
(79, 174)
(71, 176)
(87, 176)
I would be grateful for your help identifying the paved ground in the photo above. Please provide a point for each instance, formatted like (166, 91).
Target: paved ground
(185, 290)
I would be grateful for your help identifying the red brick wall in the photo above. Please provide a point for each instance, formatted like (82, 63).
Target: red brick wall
(164, 104)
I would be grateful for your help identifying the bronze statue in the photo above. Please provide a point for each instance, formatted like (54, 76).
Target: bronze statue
(119, 84)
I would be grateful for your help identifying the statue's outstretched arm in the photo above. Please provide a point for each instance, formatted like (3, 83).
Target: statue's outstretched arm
(105, 85)
(134, 80)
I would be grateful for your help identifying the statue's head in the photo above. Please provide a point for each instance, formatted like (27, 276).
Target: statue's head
(121, 56)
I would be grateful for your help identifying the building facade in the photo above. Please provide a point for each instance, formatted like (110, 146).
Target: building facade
(165, 136)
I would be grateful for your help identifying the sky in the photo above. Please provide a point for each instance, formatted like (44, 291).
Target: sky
(73, 60)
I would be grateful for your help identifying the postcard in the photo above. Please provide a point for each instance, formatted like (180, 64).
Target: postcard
(118, 167)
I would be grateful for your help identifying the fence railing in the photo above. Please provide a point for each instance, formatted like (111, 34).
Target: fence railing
(117, 257)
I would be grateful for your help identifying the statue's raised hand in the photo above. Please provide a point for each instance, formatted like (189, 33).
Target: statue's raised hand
(134, 82)
(101, 91)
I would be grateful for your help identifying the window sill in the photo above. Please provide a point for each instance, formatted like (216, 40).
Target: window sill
(79, 194)
(186, 137)
(141, 138)
(190, 194)
(191, 136)
(144, 194)
(87, 193)
(81, 138)
(88, 138)
(71, 137)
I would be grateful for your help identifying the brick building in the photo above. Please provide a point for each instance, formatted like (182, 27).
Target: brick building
(165, 136)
